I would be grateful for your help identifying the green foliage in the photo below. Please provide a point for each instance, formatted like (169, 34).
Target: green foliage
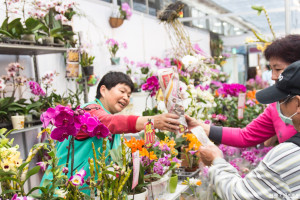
(228, 107)
(152, 112)
(86, 60)
(13, 30)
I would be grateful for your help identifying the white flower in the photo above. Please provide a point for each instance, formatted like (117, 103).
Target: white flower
(60, 193)
(189, 60)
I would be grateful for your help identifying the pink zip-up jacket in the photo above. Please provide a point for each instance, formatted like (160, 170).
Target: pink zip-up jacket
(259, 130)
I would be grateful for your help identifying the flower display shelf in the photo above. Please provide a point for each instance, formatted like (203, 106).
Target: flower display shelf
(22, 49)
(182, 175)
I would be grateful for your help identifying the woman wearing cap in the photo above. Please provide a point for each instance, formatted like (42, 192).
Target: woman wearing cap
(278, 174)
(280, 54)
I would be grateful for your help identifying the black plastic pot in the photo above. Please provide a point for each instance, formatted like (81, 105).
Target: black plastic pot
(88, 70)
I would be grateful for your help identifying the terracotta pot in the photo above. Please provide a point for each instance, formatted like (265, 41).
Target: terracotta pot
(193, 169)
(115, 22)
(185, 163)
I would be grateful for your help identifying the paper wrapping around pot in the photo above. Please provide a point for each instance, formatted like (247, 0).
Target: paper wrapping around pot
(169, 83)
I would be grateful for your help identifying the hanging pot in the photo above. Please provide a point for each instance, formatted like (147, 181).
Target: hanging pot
(115, 22)
(115, 60)
(173, 183)
(88, 70)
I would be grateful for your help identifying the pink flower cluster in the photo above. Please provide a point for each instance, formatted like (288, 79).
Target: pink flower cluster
(36, 89)
(15, 197)
(69, 123)
(162, 63)
(151, 85)
(231, 89)
(48, 78)
(219, 117)
(78, 178)
(142, 65)
(125, 11)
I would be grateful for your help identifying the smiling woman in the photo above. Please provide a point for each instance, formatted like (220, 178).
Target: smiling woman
(113, 95)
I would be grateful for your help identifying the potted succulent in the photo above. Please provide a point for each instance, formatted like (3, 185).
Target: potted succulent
(86, 63)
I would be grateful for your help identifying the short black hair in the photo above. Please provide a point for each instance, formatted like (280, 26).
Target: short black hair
(111, 79)
(286, 48)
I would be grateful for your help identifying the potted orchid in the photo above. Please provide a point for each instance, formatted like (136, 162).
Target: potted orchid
(189, 153)
(124, 12)
(113, 47)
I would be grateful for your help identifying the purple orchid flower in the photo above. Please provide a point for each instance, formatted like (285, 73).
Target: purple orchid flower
(64, 119)
(192, 152)
(76, 180)
(158, 168)
(43, 165)
(100, 131)
(176, 160)
(48, 117)
(62, 133)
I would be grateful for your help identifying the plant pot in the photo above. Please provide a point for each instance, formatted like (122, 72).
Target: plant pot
(140, 196)
(173, 183)
(58, 41)
(88, 70)
(115, 60)
(185, 163)
(115, 22)
(29, 37)
(28, 118)
(159, 187)
(193, 169)
(18, 122)
(48, 40)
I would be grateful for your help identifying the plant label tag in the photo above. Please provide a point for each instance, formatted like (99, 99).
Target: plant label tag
(149, 133)
(240, 113)
(242, 100)
(136, 168)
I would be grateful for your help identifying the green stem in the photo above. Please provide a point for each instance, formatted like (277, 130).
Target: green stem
(269, 22)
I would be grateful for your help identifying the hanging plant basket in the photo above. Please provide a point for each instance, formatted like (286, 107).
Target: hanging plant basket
(115, 22)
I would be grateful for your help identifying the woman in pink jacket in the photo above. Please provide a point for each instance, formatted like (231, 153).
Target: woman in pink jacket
(281, 53)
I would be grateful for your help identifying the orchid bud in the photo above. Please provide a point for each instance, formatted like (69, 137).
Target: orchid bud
(65, 170)
(88, 181)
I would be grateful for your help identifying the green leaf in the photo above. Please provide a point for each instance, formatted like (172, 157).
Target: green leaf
(9, 173)
(3, 32)
(20, 169)
(10, 179)
(4, 24)
(109, 172)
(33, 171)
(160, 135)
(9, 191)
(37, 188)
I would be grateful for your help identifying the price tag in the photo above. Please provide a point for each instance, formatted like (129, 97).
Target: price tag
(149, 133)
(136, 168)
(241, 100)
(240, 113)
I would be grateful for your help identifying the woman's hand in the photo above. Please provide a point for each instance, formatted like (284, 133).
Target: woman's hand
(166, 121)
(192, 123)
(209, 153)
